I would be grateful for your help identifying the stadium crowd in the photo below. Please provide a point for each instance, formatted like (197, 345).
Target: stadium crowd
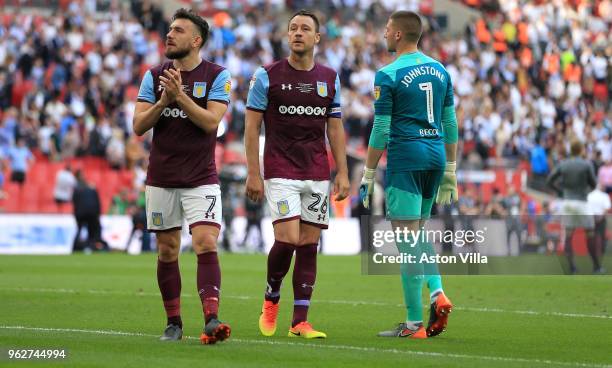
(528, 76)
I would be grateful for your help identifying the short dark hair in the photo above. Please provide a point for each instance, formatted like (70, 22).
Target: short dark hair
(200, 23)
(409, 23)
(576, 147)
(307, 13)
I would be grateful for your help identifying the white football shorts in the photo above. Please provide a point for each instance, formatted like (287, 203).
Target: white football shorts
(307, 200)
(577, 214)
(167, 207)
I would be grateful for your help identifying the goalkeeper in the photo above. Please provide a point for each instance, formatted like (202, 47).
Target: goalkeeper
(415, 120)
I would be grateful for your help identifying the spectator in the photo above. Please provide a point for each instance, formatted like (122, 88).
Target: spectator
(512, 205)
(469, 208)
(495, 208)
(86, 205)
(65, 182)
(20, 157)
(548, 227)
(362, 79)
(55, 109)
(605, 177)
(2, 193)
(99, 137)
(134, 152)
(140, 175)
(599, 203)
(254, 215)
(358, 116)
(604, 145)
(45, 140)
(115, 151)
(7, 131)
(539, 166)
(121, 203)
(139, 223)
(230, 175)
(70, 143)
(574, 178)
(597, 162)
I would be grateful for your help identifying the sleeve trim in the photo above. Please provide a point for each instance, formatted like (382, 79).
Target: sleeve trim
(220, 101)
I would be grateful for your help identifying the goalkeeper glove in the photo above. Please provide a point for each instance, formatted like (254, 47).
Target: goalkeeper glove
(367, 186)
(447, 192)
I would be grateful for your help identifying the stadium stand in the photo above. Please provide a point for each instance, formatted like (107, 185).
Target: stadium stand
(522, 76)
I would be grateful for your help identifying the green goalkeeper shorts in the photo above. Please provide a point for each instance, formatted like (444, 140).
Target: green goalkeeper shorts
(411, 194)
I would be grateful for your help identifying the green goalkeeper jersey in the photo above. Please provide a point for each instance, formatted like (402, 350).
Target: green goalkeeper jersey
(414, 103)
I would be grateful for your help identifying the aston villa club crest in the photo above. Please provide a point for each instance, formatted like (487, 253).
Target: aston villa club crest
(158, 220)
(283, 207)
(322, 89)
(199, 89)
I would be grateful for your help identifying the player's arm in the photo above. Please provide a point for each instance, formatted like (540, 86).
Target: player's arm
(148, 111)
(208, 118)
(254, 184)
(447, 192)
(337, 142)
(383, 108)
(257, 103)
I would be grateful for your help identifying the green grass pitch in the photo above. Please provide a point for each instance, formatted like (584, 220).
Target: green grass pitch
(105, 309)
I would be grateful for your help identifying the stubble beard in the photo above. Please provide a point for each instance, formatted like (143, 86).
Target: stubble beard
(178, 54)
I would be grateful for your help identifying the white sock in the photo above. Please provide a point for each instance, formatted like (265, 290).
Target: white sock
(414, 325)
(434, 294)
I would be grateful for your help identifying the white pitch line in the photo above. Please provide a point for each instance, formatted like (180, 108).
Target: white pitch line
(344, 302)
(534, 313)
(429, 354)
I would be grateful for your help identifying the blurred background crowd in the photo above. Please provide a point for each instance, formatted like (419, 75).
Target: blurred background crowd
(529, 76)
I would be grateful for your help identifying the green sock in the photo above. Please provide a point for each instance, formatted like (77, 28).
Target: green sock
(412, 283)
(431, 271)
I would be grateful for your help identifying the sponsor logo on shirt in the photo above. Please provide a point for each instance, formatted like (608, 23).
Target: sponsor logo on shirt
(322, 89)
(228, 86)
(184, 87)
(286, 86)
(302, 110)
(199, 89)
(305, 87)
(175, 113)
(252, 82)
